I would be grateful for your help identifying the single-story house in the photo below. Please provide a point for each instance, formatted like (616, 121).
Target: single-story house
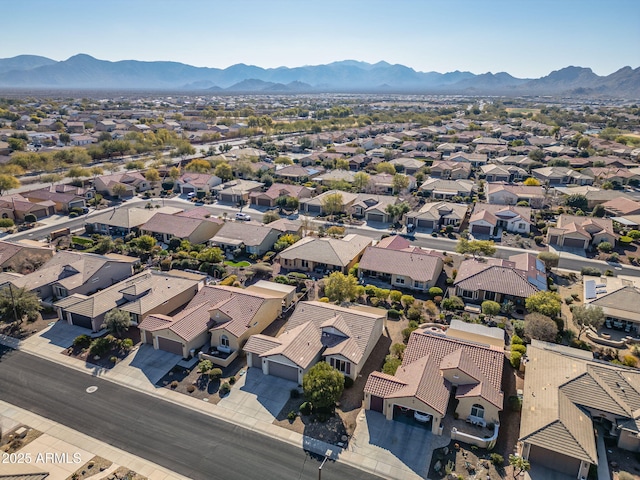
(450, 170)
(253, 237)
(315, 205)
(618, 297)
(342, 337)
(502, 173)
(581, 232)
(506, 194)
(122, 221)
(561, 176)
(149, 292)
(567, 395)
(223, 317)
(276, 191)
(434, 215)
(164, 226)
(237, 191)
(487, 219)
(500, 280)
(63, 201)
(15, 206)
(395, 261)
(134, 182)
(407, 165)
(197, 182)
(372, 207)
(322, 255)
(383, 183)
(446, 189)
(434, 368)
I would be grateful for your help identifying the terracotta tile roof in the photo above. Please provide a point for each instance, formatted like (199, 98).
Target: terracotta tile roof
(383, 385)
(260, 344)
(494, 276)
(394, 242)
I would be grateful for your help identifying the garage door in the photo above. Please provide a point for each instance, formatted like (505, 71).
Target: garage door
(256, 361)
(313, 208)
(481, 229)
(188, 189)
(574, 242)
(283, 371)
(81, 321)
(554, 461)
(376, 403)
(264, 202)
(425, 223)
(553, 240)
(375, 217)
(170, 345)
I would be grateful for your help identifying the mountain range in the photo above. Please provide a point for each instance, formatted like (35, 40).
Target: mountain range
(86, 72)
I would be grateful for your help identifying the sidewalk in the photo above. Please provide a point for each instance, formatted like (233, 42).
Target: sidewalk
(358, 454)
(82, 444)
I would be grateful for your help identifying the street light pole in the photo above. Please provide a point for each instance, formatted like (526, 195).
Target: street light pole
(327, 455)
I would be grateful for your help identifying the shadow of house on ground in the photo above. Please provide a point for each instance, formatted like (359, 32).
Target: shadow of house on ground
(272, 393)
(153, 364)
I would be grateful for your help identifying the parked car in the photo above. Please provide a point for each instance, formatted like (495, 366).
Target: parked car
(421, 416)
(243, 217)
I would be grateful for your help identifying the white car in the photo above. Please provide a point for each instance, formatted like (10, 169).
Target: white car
(242, 217)
(421, 416)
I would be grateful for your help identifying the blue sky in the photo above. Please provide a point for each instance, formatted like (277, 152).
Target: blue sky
(527, 38)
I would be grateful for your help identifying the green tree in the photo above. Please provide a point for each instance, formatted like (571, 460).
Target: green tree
(332, 203)
(323, 386)
(598, 211)
(198, 166)
(540, 327)
(145, 243)
(544, 302)
(17, 144)
(224, 172)
(490, 308)
(152, 175)
(399, 182)
(396, 211)
(452, 303)
(8, 182)
(519, 465)
(119, 189)
(205, 366)
(476, 247)
(532, 182)
(585, 316)
(584, 143)
(117, 322)
(210, 255)
(407, 300)
(270, 216)
(174, 173)
(340, 287)
(285, 241)
(360, 181)
(65, 138)
(577, 200)
(385, 167)
(26, 304)
(605, 247)
(549, 259)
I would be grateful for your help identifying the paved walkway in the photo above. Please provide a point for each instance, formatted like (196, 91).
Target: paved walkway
(389, 449)
(57, 438)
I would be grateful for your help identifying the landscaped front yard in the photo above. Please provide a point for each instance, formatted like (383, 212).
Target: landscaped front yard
(103, 352)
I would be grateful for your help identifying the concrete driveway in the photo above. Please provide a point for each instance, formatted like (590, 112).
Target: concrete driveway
(145, 366)
(386, 444)
(258, 396)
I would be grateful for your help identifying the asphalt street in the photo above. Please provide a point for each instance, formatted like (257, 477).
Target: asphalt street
(187, 442)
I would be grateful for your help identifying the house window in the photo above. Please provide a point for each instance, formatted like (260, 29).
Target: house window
(59, 291)
(489, 295)
(340, 365)
(417, 284)
(521, 226)
(467, 293)
(224, 341)
(304, 263)
(477, 411)
(400, 280)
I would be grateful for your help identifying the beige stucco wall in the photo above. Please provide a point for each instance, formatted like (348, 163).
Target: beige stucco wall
(629, 441)
(491, 412)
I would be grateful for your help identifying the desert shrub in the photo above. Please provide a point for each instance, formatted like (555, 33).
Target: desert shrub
(230, 280)
(113, 359)
(82, 341)
(393, 313)
(413, 313)
(516, 340)
(519, 348)
(497, 459)
(629, 361)
(6, 223)
(224, 389)
(605, 247)
(30, 218)
(191, 388)
(326, 300)
(305, 408)
(215, 373)
(174, 384)
(100, 346)
(622, 475)
(435, 292)
(518, 327)
(391, 364)
(591, 271)
(232, 381)
(568, 300)
(291, 416)
(515, 403)
(516, 357)
(625, 240)
(348, 382)
(538, 239)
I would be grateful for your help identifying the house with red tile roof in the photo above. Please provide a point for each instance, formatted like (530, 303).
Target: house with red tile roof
(343, 337)
(435, 368)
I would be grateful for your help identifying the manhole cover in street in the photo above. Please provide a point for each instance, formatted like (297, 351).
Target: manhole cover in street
(91, 389)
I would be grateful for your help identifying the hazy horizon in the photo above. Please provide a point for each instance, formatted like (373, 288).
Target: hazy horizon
(527, 39)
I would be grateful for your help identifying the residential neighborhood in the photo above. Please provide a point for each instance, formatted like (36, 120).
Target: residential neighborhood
(466, 278)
